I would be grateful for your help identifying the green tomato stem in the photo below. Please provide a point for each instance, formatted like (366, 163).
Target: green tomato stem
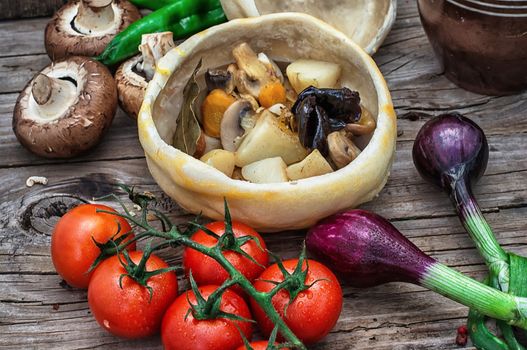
(263, 299)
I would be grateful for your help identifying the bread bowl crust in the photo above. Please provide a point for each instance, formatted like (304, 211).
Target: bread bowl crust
(198, 187)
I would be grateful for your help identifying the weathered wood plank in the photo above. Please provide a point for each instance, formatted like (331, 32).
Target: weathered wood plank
(405, 192)
(22, 37)
(37, 312)
(16, 72)
(29, 8)
(120, 142)
(413, 61)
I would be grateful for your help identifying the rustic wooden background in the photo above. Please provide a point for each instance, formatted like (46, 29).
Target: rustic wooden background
(37, 311)
(28, 8)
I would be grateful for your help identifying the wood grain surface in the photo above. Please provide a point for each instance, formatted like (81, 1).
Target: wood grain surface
(28, 8)
(38, 311)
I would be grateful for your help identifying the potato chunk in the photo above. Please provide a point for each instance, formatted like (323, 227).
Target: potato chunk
(304, 73)
(269, 139)
(313, 165)
(265, 171)
(220, 159)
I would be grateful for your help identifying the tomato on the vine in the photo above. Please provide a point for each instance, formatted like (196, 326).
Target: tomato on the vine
(73, 250)
(206, 270)
(181, 331)
(313, 313)
(259, 345)
(132, 311)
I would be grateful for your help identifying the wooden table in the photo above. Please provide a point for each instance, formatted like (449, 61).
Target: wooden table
(37, 310)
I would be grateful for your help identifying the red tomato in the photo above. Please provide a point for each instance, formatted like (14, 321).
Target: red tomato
(259, 345)
(129, 312)
(179, 333)
(206, 270)
(313, 313)
(72, 248)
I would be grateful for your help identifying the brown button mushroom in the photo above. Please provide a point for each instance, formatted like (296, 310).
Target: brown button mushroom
(131, 86)
(85, 27)
(133, 75)
(366, 125)
(66, 108)
(342, 150)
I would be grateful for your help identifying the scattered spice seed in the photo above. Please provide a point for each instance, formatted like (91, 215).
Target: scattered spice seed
(462, 335)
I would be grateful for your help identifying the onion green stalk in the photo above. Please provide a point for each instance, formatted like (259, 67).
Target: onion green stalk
(451, 151)
(366, 250)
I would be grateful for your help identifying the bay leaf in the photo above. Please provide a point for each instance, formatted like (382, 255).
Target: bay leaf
(188, 130)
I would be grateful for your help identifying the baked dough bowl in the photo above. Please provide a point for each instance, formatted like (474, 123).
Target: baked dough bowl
(284, 37)
(366, 22)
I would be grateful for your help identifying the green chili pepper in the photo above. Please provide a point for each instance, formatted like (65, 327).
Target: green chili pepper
(152, 4)
(182, 17)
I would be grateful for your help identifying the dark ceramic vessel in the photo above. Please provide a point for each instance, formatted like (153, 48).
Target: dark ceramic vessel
(482, 44)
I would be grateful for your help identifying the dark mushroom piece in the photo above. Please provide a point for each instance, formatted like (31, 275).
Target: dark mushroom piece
(66, 108)
(313, 125)
(85, 27)
(133, 75)
(321, 111)
(219, 79)
(341, 105)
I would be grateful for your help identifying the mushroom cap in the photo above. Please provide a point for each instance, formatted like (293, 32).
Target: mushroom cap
(82, 124)
(284, 37)
(230, 123)
(131, 87)
(62, 40)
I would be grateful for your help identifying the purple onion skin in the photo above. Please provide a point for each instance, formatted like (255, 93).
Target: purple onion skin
(450, 148)
(366, 250)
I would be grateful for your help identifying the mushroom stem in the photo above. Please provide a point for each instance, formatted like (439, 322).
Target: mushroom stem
(342, 150)
(52, 96)
(366, 124)
(94, 16)
(153, 47)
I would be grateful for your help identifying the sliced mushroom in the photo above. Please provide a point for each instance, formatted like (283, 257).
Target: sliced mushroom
(342, 150)
(290, 93)
(219, 79)
(153, 47)
(66, 108)
(133, 75)
(271, 65)
(231, 123)
(211, 143)
(366, 125)
(252, 74)
(249, 98)
(85, 27)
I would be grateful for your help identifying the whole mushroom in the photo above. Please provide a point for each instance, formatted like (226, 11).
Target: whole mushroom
(133, 75)
(342, 150)
(66, 108)
(85, 27)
